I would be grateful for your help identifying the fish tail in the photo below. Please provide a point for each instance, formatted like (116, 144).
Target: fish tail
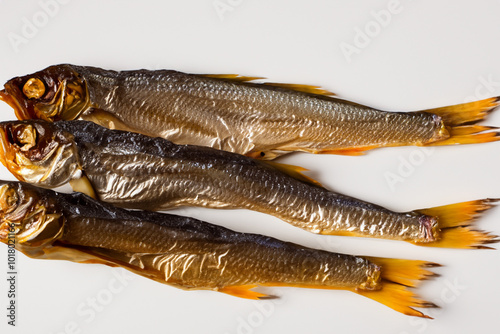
(458, 120)
(455, 222)
(398, 277)
(469, 134)
(466, 113)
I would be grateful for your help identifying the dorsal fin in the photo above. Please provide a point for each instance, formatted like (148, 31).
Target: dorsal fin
(233, 77)
(293, 171)
(309, 89)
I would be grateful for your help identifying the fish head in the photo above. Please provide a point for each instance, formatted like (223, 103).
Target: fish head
(38, 152)
(55, 93)
(29, 218)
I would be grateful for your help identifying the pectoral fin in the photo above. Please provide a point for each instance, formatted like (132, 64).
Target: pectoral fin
(83, 185)
(106, 119)
(63, 252)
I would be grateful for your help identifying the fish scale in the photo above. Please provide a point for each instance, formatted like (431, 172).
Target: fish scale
(178, 250)
(140, 172)
(233, 114)
(171, 175)
(232, 101)
(151, 239)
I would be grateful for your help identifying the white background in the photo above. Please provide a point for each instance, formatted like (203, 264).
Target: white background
(429, 54)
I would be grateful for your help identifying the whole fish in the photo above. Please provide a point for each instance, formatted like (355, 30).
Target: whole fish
(132, 170)
(191, 254)
(230, 113)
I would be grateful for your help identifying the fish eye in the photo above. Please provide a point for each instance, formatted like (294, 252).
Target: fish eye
(34, 88)
(24, 136)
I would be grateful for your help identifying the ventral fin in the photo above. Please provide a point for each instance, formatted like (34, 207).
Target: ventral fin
(62, 252)
(355, 151)
(243, 291)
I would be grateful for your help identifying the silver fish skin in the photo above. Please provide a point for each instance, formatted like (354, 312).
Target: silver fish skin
(191, 254)
(228, 112)
(182, 251)
(135, 171)
(243, 117)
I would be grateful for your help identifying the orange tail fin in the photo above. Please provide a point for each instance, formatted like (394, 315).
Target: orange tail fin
(469, 134)
(457, 120)
(455, 222)
(397, 276)
(466, 113)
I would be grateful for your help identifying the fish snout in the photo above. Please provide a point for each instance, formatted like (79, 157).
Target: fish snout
(10, 96)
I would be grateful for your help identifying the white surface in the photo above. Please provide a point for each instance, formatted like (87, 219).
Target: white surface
(430, 54)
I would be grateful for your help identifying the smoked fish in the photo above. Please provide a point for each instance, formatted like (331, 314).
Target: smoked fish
(190, 254)
(135, 171)
(231, 113)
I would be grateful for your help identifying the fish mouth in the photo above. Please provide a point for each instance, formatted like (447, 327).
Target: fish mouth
(21, 113)
(4, 149)
(8, 154)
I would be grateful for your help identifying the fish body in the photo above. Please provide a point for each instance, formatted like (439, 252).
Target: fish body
(131, 170)
(230, 113)
(188, 253)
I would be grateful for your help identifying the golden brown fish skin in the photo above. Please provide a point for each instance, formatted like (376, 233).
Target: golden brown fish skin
(183, 251)
(135, 171)
(240, 117)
